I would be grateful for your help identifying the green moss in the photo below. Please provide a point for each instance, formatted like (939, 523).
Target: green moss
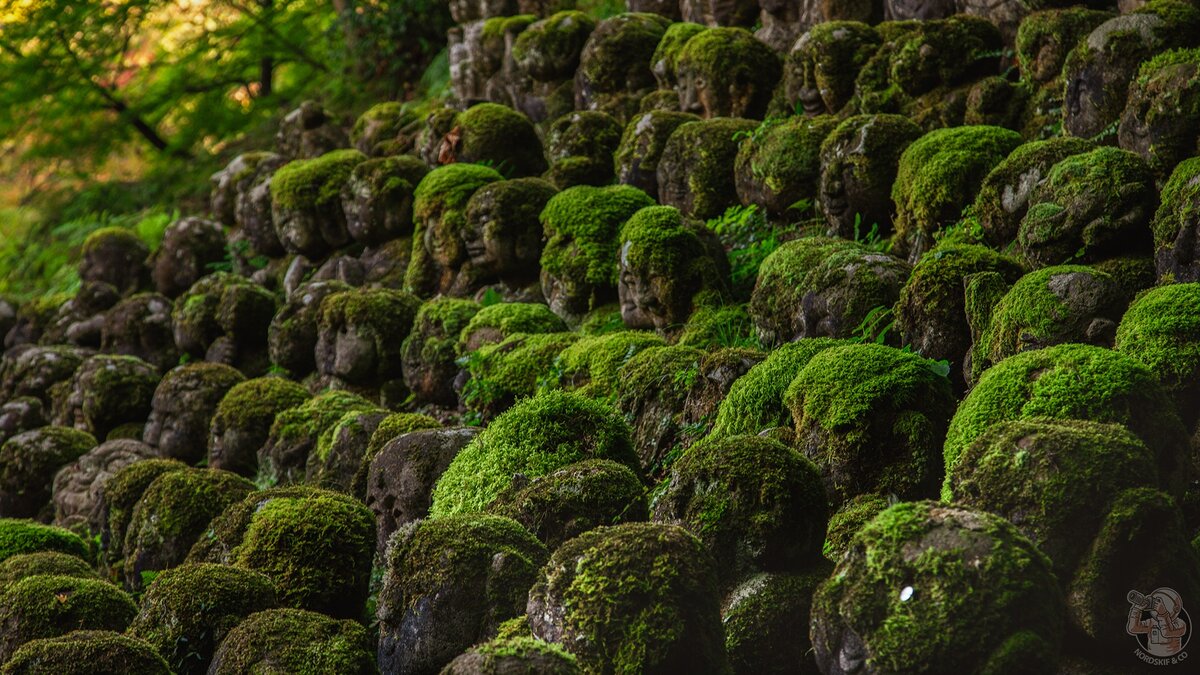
(1004, 195)
(391, 116)
(1090, 206)
(188, 610)
(428, 557)
(1162, 330)
(666, 55)
(755, 402)
(498, 135)
(591, 363)
(17, 567)
(85, 652)
(1056, 30)
(496, 322)
(29, 461)
(449, 187)
(780, 163)
(760, 619)
(436, 329)
(775, 299)
(658, 246)
(522, 648)
(1045, 307)
(628, 38)
(390, 177)
(534, 437)
(663, 372)
(1073, 381)
(511, 369)
(721, 326)
(295, 641)
(316, 548)
(25, 536)
(115, 236)
(306, 423)
(635, 598)
(732, 57)
(582, 226)
(940, 174)
(590, 134)
(391, 427)
(756, 504)
(873, 419)
(574, 499)
(549, 49)
(312, 183)
(644, 140)
(1053, 479)
(976, 583)
(122, 491)
(45, 606)
(848, 520)
(386, 312)
(251, 406)
(698, 160)
(496, 27)
(1179, 206)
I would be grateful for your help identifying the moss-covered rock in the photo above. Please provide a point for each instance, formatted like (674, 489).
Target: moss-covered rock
(493, 323)
(17, 567)
(189, 246)
(931, 311)
(778, 292)
(340, 450)
(428, 353)
(666, 55)
(397, 481)
(119, 496)
(449, 583)
(614, 67)
(28, 463)
(580, 146)
(377, 198)
(391, 427)
(361, 333)
(296, 432)
(183, 407)
(1176, 223)
(940, 174)
(638, 597)
(188, 610)
(500, 374)
(779, 165)
(756, 504)
(117, 256)
(755, 402)
(225, 318)
(46, 606)
(1053, 305)
(1090, 207)
(726, 72)
(34, 371)
(18, 537)
(978, 598)
(642, 145)
(761, 617)
(502, 238)
(549, 49)
(532, 438)
(315, 545)
(243, 421)
(591, 364)
(574, 499)
(579, 263)
(384, 128)
(306, 202)
(171, 514)
(1162, 110)
(858, 163)
(1046, 37)
(1075, 382)
(872, 418)
(295, 641)
(493, 134)
(1100, 68)
(141, 326)
(292, 335)
(439, 212)
(654, 388)
(518, 654)
(108, 391)
(1006, 193)
(823, 64)
(695, 173)
(848, 520)
(86, 652)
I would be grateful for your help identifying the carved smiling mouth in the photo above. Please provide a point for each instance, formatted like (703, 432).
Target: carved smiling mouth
(812, 102)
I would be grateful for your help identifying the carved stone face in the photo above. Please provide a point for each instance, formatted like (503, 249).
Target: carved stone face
(1098, 76)
(354, 353)
(857, 171)
(649, 298)
(803, 77)
(174, 429)
(567, 297)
